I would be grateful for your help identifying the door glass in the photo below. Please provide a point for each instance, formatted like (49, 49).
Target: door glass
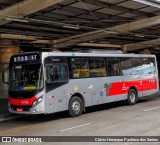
(56, 73)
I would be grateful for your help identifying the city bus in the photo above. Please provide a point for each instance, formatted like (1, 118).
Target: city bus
(49, 82)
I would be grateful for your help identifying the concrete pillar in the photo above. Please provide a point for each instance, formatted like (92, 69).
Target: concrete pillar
(7, 49)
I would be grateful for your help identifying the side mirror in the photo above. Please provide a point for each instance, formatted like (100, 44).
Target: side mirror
(5, 76)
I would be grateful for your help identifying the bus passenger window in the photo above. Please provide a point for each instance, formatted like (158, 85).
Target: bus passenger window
(153, 65)
(79, 68)
(97, 67)
(136, 64)
(148, 66)
(113, 67)
(126, 66)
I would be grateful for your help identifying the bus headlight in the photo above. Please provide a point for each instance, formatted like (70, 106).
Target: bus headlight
(36, 102)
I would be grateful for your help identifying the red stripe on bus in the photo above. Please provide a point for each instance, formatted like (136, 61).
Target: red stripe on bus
(118, 88)
(22, 102)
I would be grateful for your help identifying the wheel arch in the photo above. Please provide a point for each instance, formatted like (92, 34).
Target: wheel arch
(136, 91)
(80, 96)
(134, 88)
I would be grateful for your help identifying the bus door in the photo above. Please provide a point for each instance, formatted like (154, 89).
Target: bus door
(110, 85)
(56, 85)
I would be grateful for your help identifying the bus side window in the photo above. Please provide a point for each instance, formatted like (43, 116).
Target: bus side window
(97, 67)
(146, 66)
(153, 65)
(113, 67)
(136, 64)
(126, 66)
(79, 68)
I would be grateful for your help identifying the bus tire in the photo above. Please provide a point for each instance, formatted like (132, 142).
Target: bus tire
(75, 106)
(132, 97)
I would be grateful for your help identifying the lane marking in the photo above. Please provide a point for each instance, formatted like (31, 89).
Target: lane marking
(151, 109)
(75, 127)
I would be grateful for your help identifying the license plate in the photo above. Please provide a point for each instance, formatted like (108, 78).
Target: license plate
(19, 109)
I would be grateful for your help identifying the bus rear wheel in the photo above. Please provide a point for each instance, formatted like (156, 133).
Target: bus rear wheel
(132, 97)
(75, 106)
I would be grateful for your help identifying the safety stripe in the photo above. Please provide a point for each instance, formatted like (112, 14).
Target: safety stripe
(118, 88)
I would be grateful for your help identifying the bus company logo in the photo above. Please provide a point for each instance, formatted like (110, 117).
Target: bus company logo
(6, 139)
(23, 102)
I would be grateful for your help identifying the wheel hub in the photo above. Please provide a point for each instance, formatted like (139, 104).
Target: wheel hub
(76, 106)
(132, 97)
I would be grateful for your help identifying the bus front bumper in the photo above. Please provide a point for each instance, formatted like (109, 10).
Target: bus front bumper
(31, 111)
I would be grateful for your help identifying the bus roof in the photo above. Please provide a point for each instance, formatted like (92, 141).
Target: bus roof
(95, 54)
(74, 54)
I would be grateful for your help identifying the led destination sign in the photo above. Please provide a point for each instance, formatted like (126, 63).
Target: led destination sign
(26, 58)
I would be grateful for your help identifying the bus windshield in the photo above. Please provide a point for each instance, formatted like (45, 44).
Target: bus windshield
(26, 77)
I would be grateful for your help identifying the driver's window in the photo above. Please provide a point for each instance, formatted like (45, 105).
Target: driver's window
(56, 73)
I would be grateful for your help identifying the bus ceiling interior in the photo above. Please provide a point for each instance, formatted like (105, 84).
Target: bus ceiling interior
(78, 25)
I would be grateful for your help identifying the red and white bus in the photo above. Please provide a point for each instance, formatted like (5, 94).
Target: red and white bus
(49, 82)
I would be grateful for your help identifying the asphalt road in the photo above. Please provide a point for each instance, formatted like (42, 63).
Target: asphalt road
(113, 119)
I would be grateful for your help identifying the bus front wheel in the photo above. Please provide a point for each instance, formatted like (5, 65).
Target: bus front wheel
(132, 97)
(75, 106)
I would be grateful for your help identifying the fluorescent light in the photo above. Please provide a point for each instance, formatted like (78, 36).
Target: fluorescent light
(153, 3)
(139, 35)
(16, 19)
(76, 27)
(47, 48)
